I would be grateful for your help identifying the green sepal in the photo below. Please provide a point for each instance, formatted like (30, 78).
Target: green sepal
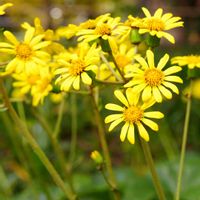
(193, 73)
(152, 41)
(105, 45)
(135, 37)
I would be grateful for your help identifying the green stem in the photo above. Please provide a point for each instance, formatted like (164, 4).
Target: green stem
(73, 128)
(184, 141)
(34, 145)
(110, 67)
(106, 153)
(59, 119)
(118, 69)
(66, 169)
(149, 160)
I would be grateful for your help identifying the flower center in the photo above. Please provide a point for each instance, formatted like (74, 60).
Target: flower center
(153, 77)
(32, 79)
(103, 29)
(155, 24)
(133, 114)
(122, 60)
(77, 67)
(24, 51)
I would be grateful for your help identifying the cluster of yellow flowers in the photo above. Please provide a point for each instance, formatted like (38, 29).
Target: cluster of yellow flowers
(106, 51)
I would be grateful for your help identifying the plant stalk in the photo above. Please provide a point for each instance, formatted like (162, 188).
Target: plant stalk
(149, 160)
(101, 134)
(184, 141)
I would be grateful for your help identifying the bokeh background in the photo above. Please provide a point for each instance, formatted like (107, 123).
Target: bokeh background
(23, 176)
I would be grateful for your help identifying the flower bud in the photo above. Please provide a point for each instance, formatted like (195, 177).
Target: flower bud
(96, 157)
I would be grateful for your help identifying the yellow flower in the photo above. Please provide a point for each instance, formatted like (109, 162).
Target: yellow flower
(132, 114)
(76, 69)
(191, 61)
(195, 92)
(48, 34)
(71, 30)
(38, 84)
(152, 80)
(106, 30)
(3, 7)
(124, 56)
(28, 53)
(134, 22)
(158, 24)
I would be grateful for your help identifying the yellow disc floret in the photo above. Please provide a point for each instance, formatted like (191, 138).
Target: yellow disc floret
(122, 60)
(23, 51)
(77, 67)
(154, 24)
(103, 29)
(133, 114)
(153, 77)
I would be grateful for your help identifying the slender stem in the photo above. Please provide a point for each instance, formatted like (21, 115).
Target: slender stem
(34, 145)
(73, 127)
(149, 160)
(59, 119)
(118, 69)
(110, 67)
(66, 169)
(184, 141)
(106, 153)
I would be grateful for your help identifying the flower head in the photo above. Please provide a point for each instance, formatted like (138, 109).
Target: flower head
(28, 54)
(158, 24)
(153, 81)
(37, 84)
(107, 28)
(191, 61)
(133, 114)
(76, 68)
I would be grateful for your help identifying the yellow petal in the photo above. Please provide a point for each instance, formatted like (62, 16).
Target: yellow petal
(76, 83)
(169, 37)
(171, 86)
(86, 79)
(29, 35)
(173, 79)
(151, 124)
(121, 97)
(150, 58)
(115, 123)
(36, 40)
(158, 13)
(165, 92)
(115, 107)
(132, 97)
(172, 70)
(154, 114)
(11, 37)
(142, 131)
(157, 95)
(146, 12)
(112, 117)
(131, 134)
(124, 131)
(146, 94)
(163, 61)
(142, 62)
